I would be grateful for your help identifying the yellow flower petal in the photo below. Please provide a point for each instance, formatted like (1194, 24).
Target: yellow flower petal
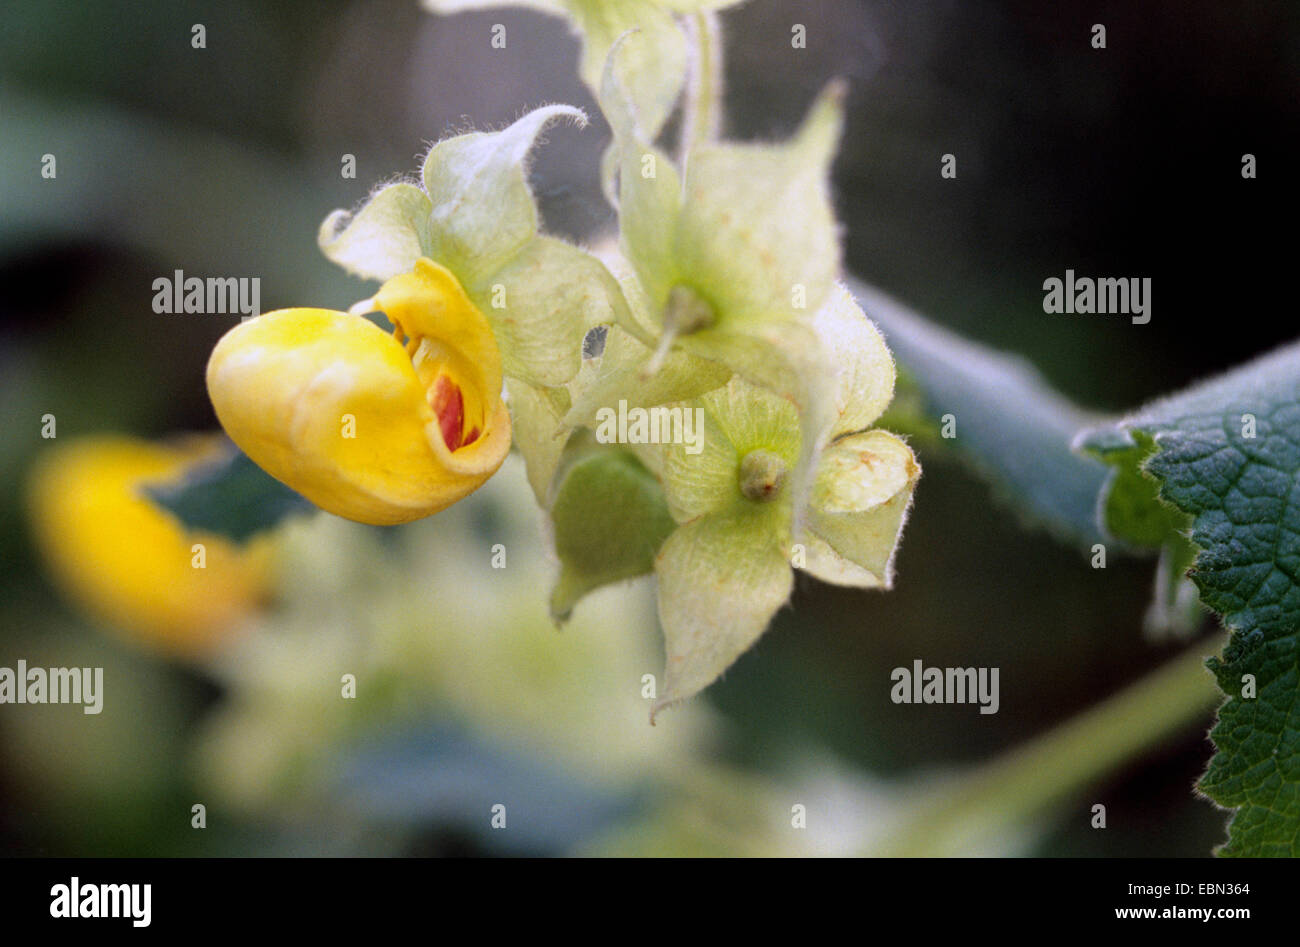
(370, 426)
(127, 561)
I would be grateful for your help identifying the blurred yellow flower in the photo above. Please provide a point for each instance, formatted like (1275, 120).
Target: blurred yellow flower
(128, 562)
(370, 426)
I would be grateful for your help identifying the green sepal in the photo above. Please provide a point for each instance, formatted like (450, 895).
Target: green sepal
(610, 519)
(858, 507)
(384, 237)
(721, 579)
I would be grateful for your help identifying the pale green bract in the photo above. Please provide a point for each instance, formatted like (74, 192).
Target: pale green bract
(728, 568)
(385, 237)
(723, 270)
(476, 216)
(718, 252)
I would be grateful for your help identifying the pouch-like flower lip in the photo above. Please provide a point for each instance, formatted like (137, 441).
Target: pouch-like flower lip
(368, 426)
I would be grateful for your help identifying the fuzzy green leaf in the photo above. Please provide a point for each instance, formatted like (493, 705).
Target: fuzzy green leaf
(1132, 511)
(1242, 494)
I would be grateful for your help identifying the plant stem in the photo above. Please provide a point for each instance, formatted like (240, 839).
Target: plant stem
(704, 91)
(1002, 797)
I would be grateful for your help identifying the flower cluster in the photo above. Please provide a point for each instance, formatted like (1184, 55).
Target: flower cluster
(720, 296)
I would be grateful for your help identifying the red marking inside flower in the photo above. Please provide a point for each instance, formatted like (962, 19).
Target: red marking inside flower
(448, 404)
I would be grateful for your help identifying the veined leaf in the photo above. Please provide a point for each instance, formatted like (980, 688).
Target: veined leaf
(1226, 455)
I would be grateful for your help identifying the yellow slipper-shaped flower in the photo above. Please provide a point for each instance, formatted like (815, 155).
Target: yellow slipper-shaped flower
(375, 427)
(132, 565)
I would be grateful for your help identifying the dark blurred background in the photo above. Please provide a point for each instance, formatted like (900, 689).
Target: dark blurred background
(1121, 162)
